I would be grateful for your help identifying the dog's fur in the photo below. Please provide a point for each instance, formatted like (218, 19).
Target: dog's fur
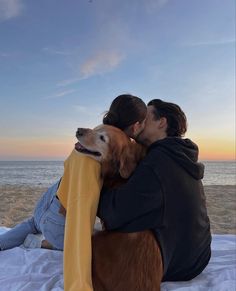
(118, 154)
(121, 261)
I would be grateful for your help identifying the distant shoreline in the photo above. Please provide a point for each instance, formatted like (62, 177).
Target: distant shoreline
(45, 173)
(18, 201)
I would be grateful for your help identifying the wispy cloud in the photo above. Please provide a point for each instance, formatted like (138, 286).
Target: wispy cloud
(55, 51)
(4, 55)
(10, 9)
(68, 82)
(100, 63)
(210, 42)
(152, 6)
(60, 94)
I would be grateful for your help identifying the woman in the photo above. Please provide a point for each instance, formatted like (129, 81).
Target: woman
(126, 112)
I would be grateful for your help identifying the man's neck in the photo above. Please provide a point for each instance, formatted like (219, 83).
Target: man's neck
(156, 138)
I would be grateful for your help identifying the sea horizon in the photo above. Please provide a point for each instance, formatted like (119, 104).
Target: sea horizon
(45, 173)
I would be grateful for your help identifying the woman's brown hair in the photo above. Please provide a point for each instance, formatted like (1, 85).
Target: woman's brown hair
(125, 110)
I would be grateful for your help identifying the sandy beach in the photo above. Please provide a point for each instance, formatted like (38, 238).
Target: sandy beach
(17, 203)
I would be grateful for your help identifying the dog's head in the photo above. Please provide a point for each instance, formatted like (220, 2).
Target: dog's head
(110, 146)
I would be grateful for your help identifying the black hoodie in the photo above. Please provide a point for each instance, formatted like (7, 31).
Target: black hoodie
(165, 194)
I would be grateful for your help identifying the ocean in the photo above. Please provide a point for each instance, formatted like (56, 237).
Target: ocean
(45, 173)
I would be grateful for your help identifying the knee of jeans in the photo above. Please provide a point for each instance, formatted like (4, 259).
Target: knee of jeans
(45, 201)
(32, 225)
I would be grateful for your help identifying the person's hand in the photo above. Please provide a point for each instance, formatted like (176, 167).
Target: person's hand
(103, 225)
(62, 211)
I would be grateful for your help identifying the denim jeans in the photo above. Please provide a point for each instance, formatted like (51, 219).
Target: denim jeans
(46, 220)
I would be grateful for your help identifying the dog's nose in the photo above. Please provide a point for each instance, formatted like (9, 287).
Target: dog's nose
(80, 132)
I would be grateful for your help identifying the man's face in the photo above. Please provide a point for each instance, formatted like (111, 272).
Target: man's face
(153, 129)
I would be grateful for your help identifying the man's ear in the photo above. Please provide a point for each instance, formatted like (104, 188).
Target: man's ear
(127, 162)
(163, 122)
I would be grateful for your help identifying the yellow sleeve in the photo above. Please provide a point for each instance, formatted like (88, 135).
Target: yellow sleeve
(79, 192)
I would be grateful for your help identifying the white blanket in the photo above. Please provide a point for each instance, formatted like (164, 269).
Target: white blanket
(42, 270)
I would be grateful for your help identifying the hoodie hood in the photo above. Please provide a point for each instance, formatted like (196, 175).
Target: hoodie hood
(182, 151)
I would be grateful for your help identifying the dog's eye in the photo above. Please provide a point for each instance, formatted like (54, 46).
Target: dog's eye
(102, 138)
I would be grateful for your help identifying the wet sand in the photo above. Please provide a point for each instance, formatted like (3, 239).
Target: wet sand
(17, 203)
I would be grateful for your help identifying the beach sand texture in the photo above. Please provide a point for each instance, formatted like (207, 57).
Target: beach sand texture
(17, 203)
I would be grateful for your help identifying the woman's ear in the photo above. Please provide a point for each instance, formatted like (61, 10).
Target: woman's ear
(135, 128)
(138, 127)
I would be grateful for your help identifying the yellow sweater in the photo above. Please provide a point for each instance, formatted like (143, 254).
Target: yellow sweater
(79, 192)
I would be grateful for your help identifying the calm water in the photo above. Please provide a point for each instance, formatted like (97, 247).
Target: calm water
(45, 173)
(37, 173)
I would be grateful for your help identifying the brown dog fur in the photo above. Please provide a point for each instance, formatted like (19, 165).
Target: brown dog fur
(126, 261)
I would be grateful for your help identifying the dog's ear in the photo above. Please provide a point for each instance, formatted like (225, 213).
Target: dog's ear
(130, 157)
(128, 162)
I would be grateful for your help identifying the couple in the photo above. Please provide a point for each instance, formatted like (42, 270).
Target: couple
(164, 194)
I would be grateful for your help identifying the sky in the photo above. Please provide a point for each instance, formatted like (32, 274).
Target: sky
(63, 62)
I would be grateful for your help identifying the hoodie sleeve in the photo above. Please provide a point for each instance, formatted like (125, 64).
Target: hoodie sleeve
(136, 205)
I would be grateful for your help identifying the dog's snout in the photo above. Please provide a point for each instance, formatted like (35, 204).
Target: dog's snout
(80, 132)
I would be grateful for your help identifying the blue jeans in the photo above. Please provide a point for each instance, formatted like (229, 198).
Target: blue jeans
(46, 220)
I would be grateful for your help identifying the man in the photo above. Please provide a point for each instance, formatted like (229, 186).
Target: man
(165, 194)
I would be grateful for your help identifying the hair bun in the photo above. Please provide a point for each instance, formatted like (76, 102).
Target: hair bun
(110, 118)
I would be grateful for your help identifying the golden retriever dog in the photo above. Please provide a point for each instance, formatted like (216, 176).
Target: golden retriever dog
(121, 261)
(117, 153)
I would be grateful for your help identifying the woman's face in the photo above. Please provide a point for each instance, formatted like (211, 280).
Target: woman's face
(135, 129)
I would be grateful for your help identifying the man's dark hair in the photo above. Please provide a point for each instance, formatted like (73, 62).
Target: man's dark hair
(125, 110)
(176, 119)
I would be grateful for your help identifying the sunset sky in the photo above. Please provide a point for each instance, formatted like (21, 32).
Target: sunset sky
(63, 62)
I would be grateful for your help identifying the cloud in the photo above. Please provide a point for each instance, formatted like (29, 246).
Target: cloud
(60, 94)
(55, 51)
(10, 9)
(100, 63)
(210, 42)
(68, 82)
(4, 55)
(152, 6)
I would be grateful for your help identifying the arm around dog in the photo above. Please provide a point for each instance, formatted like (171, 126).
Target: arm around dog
(136, 205)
